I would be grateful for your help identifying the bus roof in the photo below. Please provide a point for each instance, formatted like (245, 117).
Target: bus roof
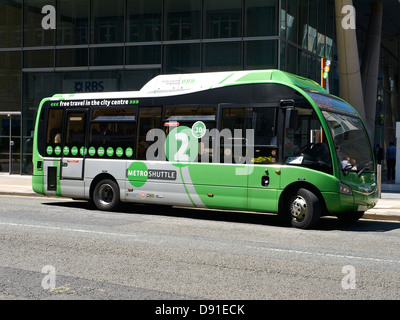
(175, 84)
(204, 81)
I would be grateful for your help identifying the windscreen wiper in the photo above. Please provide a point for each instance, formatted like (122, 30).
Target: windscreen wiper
(361, 171)
(349, 169)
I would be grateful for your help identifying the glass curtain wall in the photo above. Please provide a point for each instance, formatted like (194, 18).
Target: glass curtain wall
(307, 33)
(101, 45)
(10, 87)
(387, 107)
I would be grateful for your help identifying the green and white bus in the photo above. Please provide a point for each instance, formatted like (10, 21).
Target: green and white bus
(261, 141)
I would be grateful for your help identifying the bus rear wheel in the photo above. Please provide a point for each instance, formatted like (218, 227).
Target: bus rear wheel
(303, 209)
(106, 195)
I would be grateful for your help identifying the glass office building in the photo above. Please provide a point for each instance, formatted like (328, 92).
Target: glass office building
(102, 45)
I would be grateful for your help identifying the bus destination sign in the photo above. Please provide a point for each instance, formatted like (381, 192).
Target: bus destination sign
(94, 103)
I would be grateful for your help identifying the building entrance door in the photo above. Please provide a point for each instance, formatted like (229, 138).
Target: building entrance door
(10, 142)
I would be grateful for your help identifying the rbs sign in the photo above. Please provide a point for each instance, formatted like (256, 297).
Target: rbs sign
(89, 86)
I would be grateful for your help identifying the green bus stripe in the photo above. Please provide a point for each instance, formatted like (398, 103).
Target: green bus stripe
(190, 198)
(226, 78)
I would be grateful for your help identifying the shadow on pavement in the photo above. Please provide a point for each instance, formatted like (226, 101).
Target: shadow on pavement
(325, 224)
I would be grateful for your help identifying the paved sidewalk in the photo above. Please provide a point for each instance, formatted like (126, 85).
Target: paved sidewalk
(16, 184)
(388, 207)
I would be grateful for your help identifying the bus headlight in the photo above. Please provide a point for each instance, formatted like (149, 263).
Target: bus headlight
(345, 189)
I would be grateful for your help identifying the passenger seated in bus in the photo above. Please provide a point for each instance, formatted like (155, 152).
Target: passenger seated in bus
(104, 131)
(142, 148)
(54, 136)
(57, 138)
(102, 134)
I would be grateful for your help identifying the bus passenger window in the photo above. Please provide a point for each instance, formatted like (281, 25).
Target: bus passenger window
(233, 119)
(115, 139)
(75, 130)
(52, 145)
(149, 118)
(112, 133)
(188, 116)
(259, 121)
(100, 133)
(54, 127)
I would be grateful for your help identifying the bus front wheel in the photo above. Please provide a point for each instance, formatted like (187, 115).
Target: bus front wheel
(106, 195)
(303, 209)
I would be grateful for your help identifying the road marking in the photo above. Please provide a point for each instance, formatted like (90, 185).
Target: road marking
(251, 247)
(67, 229)
(330, 255)
(30, 196)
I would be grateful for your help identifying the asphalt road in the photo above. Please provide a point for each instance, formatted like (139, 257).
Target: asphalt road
(62, 249)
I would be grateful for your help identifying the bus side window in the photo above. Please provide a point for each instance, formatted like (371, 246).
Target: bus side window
(149, 118)
(54, 132)
(306, 144)
(263, 123)
(233, 118)
(188, 115)
(112, 133)
(76, 129)
(54, 126)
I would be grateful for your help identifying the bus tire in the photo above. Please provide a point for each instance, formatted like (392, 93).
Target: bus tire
(106, 195)
(303, 209)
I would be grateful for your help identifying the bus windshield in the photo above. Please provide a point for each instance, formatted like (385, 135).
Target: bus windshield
(352, 145)
(351, 142)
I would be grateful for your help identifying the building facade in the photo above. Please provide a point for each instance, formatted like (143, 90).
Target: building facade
(101, 45)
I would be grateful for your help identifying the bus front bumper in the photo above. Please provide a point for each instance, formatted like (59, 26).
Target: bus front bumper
(357, 201)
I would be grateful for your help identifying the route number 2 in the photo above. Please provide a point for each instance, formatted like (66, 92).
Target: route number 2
(181, 154)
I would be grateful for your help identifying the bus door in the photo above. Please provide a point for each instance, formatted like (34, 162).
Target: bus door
(264, 176)
(74, 147)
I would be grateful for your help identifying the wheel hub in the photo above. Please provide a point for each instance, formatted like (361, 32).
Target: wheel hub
(106, 194)
(298, 208)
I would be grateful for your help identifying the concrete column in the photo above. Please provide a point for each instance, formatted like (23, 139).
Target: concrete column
(350, 86)
(397, 79)
(394, 103)
(397, 144)
(388, 122)
(395, 100)
(370, 65)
